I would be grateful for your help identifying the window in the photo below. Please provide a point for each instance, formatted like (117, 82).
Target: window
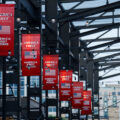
(15, 92)
(10, 92)
(21, 78)
(95, 110)
(22, 82)
(118, 93)
(34, 81)
(0, 91)
(113, 93)
(106, 113)
(43, 100)
(105, 93)
(51, 91)
(49, 109)
(0, 83)
(22, 92)
(43, 91)
(105, 104)
(114, 101)
(95, 98)
(105, 99)
(74, 110)
(52, 109)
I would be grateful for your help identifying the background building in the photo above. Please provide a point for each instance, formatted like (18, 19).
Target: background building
(109, 100)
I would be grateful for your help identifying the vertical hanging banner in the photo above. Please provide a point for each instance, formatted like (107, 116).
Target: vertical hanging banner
(86, 109)
(50, 72)
(30, 54)
(65, 85)
(77, 95)
(6, 30)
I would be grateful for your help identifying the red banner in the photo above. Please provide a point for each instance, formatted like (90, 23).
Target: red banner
(65, 85)
(6, 30)
(30, 54)
(77, 95)
(50, 72)
(86, 109)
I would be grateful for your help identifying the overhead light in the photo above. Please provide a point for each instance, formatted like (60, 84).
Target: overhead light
(57, 51)
(53, 20)
(18, 19)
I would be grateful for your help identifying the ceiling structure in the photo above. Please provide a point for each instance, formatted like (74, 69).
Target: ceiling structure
(98, 25)
(92, 30)
(95, 22)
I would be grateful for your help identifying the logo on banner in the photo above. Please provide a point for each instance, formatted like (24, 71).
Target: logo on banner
(77, 95)
(4, 30)
(30, 54)
(65, 85)
(86, 102)
(49, 72)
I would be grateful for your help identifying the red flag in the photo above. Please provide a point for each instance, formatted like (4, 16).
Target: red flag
(86, 109)
(6, 30)
(50, 72)
(77, 95)
(65, 84)
(30, 54)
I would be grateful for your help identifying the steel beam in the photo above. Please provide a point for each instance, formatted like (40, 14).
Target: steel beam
(111, 60)
(111, 66)
(103, 45)
(93, 11)
(95, 18)
(114, 75)
(30, 9)
(109, 63)
(71, 1)
(92, 26)
(107, 27)
(100, 39)
(103, 51)
(106, 57)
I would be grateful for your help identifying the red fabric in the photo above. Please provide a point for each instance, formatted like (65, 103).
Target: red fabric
(6, 29)
(77, 95)
(86, 109)
(30, 54)
(50, 72)
(65, 85)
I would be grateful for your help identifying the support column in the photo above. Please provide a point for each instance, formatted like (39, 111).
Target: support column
(90, 80)
(96, 88)
(51, 39)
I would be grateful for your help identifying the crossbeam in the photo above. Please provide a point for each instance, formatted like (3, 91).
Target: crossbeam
(110, 76)
(106, 57)
(93, 11)
(107, 27)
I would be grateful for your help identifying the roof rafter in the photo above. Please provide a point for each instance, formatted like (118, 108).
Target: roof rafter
(107, 27)
(90, 12)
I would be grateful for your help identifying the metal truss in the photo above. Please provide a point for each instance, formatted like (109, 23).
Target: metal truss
(76, 49)
(90, 12)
